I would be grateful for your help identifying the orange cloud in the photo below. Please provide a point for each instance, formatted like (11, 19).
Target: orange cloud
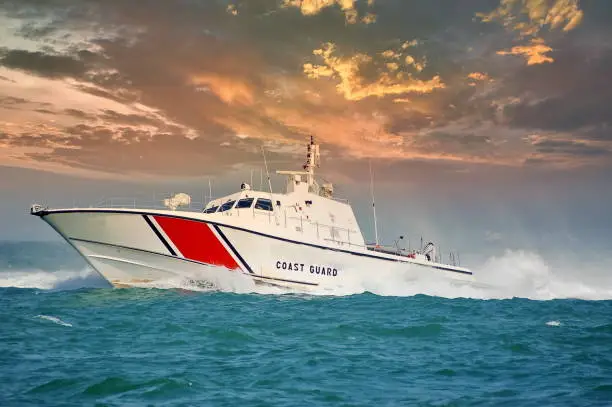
(354, 86)
(535, 52)
(478, 76)
(529, 17)
(475, 77)
(348, 7)
(228, 89)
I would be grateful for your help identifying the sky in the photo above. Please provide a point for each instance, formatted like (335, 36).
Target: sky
(487, 122)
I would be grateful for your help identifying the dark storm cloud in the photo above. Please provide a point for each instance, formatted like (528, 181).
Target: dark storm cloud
(568, 147)
(573, 92)
(42, 64)
(598, 133)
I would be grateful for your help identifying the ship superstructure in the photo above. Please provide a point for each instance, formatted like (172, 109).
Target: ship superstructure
(302, 237)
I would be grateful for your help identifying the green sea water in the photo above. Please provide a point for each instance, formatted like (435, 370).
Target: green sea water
(66, 339)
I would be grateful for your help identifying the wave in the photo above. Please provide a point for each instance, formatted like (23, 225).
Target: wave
(514, 274)
(55, 320)
(52, 280)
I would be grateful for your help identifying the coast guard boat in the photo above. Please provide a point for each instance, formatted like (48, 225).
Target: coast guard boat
(302, 238)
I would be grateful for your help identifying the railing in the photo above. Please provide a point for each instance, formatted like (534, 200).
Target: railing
(329, 233)
(156, 202)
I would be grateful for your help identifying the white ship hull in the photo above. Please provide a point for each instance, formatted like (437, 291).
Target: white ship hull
(131, 247)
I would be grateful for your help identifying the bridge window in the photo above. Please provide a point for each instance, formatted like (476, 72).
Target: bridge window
(263, 204)
(212, 209)
(227, 206)
(244, 203)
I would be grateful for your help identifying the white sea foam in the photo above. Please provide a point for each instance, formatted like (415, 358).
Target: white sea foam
(54, 319)
(514, 274)
(553, 323)
(52, 280)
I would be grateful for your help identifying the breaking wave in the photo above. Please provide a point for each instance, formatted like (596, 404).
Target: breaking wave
(514, 274)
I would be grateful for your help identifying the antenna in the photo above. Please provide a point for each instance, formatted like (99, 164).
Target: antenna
(209, 190)
(373, 203)
(263, 152)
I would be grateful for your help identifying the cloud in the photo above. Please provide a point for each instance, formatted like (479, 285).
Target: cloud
(229, 89)
(195, 75)
(475, 77)
(534, 53)
(348, 7)
(565, 96)
(558, 152)
(530, 17)
(570, 147)
(352, 74)
(42, 63)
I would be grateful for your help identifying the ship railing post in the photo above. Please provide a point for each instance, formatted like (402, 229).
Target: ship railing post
(317, 229)
(285, 212)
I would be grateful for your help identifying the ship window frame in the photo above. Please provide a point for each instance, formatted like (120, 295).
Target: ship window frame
(228, 205)
(212, 209)
(243, 200)
(270, 208)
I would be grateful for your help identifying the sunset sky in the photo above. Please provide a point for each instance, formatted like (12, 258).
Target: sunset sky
(488, 122)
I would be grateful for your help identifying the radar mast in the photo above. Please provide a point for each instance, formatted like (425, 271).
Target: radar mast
(313, 159)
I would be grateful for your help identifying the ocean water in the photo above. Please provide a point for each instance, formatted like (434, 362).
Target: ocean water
(67, 339)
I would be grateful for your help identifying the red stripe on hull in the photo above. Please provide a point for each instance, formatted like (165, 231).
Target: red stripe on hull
(196, 241)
